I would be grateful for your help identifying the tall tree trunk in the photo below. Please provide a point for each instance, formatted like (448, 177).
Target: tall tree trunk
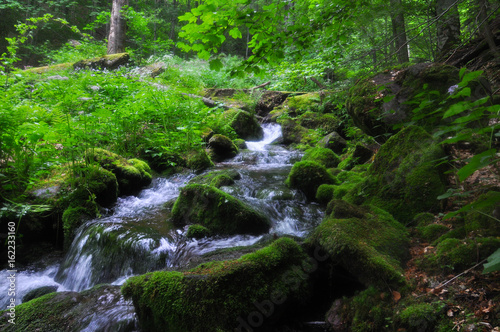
(399, 30)
(448, 26)
(484, 27)
(116, 38)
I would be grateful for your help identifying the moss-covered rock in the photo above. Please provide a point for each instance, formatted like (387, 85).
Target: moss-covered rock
(348, 181)
(357, 155)
(324, 194)
(198, 160)
(406, 176)
(70, 311)
(376, 115)
(307, 176)
(72, 218)
(313, 120)
(366, 241)
(459, 255)
(221, 147)
(334, 142)
(240, 144)
(217, 178)
(95, 182)
(245, 125)
(220, 212)
(432, 232)
(197, 232)
(222, 296)
(130, 178)
(323, 156)
(38, 292)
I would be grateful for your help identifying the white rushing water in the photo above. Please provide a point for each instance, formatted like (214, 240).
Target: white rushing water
(136, 238)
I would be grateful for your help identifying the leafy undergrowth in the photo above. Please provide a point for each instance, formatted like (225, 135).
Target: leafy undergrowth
(470, 296)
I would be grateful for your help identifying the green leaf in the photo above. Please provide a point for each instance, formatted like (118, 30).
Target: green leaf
(235, 33)
(456, 109)
(477, 162)
(493, 264)
(216, 65)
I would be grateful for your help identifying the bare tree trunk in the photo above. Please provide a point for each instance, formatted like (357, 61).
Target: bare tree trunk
(448, 26)
(399, 30)
(116, 38)
(485, 29)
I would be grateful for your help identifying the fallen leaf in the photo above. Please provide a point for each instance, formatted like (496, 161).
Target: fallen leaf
(396, 296)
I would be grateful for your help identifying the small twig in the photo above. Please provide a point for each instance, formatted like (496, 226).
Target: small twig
(455, 277)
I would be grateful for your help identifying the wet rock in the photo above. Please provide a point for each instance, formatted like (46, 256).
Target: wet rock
(38, 292)
(94, 309)
(198, 160)
(221, 148)
(223, 295)
(217, 178)
(218, 211)
(246, 126)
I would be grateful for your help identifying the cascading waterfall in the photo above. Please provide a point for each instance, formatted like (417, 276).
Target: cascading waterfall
(135, 237)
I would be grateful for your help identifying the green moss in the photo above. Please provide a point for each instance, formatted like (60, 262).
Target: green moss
(458, 255)
(324, 194)
(39, 292)
(368, 243)
(323, 156)
(303, 103)
(130, 178)
(246, 126)
(197, 232)
(198, 160)
(221, 147)
(432, 232)
(313, 120)
(240, 143)
(369, 310)
(423, 219)
(73, 218)
(348, 180)
(308, 176)
(216, 295)
(97, 182)
(421, 316)
(217, 178)
(405, 178)
(220, 212)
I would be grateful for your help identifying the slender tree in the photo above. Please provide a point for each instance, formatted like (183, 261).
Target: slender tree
(116, 38)
(399, 30)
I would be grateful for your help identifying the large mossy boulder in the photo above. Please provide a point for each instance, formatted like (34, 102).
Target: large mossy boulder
(217, 179)
(245, 125)
(307, 176)
(480, 218)
(313, 120)
(198, 160)
(72, 311)
(132, 175)
(223, 295)
(376, 115)
(334, 142)
(218, 211)
(221, 147)
(323, 156)
(364, 240)
(406, 177)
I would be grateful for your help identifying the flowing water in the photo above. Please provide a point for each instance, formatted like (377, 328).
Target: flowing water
(135, 237)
